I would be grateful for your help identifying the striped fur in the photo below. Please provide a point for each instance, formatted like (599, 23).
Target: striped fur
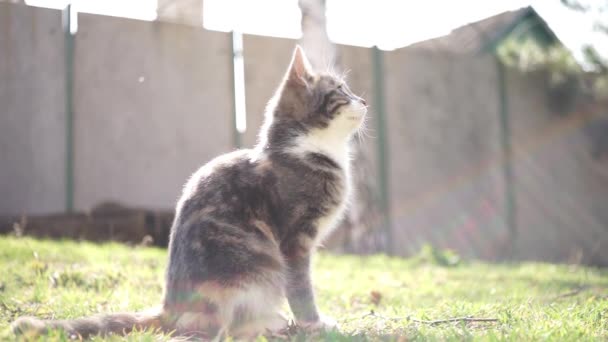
(248, 221)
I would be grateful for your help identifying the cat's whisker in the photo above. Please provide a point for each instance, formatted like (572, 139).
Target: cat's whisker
(364, 135)
(367, 134)
(359, 135)
(328, 65)
(363, 96)
(364, 130)
(331, 67)
(330, 61)
(359, 138)
(344, 75)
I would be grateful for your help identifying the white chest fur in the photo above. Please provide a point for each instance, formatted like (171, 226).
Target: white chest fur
(332, 142)
(328, 222)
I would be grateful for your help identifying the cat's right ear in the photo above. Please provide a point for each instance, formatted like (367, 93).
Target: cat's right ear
(300, 71)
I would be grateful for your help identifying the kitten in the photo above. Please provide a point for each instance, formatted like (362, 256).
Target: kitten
(248, 221)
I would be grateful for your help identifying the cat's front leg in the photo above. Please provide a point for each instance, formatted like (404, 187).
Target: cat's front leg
(301, 296)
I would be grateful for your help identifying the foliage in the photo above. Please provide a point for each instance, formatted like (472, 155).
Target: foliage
(435, 256)
(528, 56)
(531, 301)
(563, 70)
(595, 8)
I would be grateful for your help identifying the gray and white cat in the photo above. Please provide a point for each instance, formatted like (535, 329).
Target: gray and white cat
(248, 221)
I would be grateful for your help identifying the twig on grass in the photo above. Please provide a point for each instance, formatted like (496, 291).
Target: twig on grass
(456, 319)
(434, 322)
(571, 293)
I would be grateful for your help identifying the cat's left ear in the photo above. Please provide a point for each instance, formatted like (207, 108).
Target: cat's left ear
(300, 70)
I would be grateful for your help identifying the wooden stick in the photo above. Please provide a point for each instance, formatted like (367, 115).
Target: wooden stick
(437, 321)
(456, 319)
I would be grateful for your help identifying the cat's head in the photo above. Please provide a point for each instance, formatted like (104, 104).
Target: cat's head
(316, 101)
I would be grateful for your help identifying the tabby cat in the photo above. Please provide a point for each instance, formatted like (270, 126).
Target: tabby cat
(248, 221)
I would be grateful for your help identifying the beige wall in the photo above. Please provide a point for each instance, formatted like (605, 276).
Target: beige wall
(152, 104)
(444, 153)
(32, 110)
(561, 192)
(266, 60)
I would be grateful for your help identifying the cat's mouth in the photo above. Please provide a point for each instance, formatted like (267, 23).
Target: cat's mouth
(357, 112)
(354, 112)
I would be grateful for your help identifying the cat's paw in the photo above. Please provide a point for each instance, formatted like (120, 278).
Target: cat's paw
(272, 324)
(324, 323)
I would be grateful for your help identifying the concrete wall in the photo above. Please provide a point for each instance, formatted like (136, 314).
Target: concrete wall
(32, 110)
(561, 191)
(151, 106)
(153, 102)
(443, 134)
(266, 61)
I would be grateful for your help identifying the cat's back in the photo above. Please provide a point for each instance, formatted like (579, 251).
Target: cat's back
(214, 176)
(217, 168)
(225, 185)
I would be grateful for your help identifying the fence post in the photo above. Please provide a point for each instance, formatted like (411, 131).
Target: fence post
(380, 116)
(239, 122)
(69, 106)
(507, 152)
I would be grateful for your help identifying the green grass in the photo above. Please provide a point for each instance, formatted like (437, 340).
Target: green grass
(532, 301)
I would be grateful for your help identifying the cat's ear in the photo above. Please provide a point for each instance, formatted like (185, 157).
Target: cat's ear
(300, 70)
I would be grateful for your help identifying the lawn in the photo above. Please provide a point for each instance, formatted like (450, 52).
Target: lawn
(373, 297)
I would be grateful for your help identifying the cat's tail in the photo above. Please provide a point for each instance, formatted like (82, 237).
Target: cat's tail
(117, 323)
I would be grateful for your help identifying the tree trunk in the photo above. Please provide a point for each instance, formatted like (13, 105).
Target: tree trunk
(189, 12)
(320, 51)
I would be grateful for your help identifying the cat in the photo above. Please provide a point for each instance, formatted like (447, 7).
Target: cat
(248, 221)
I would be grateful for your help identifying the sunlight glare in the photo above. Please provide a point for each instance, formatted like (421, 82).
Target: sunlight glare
(275, 18)
(389, 24)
